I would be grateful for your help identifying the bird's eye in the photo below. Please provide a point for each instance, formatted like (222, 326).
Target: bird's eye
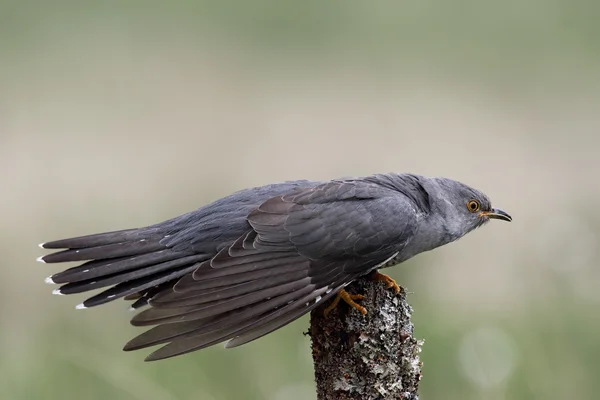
(473, 205)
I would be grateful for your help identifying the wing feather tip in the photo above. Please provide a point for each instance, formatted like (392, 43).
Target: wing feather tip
(57, 292)
(80, 306)
(40, 260)
(41, 245)
(130, 346)
(49, 280)
(137, 343)
(155, 356)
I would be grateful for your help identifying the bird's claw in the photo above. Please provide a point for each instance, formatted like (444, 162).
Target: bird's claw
(390, 283)
(349, 299)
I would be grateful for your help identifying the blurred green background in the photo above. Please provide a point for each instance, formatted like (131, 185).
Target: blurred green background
(118, 114)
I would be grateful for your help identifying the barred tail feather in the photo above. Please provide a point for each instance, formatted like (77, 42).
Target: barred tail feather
(129, 262)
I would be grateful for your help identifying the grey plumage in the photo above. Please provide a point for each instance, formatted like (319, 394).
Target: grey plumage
(251, 262)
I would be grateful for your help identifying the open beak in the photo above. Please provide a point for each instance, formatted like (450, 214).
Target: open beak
(496, 213)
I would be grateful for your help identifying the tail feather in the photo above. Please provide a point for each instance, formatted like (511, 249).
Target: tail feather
(98, 239)
(99, 268)
(140, 246)
(143, 298)
(129, 262)
(131, 275)
(138, 285)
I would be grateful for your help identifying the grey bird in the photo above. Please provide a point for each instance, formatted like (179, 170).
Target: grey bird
(249, 263)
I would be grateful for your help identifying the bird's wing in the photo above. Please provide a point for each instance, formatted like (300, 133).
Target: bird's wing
(139, 263)
(302, 248)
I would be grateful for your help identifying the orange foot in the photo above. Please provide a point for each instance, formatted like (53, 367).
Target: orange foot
(390, 283)
(349, 299)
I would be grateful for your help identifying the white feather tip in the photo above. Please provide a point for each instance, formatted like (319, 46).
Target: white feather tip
(49, 280)
(80, 306)
(40, 259)
(57, 292)
(41, 245)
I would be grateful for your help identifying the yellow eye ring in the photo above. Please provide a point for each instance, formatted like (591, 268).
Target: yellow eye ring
(473, 206)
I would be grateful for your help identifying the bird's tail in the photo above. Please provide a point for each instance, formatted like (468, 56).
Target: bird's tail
(131, 263)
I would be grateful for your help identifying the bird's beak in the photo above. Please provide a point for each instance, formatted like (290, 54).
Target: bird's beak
(496, 213)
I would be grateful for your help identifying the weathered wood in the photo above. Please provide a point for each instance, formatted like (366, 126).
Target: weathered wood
(366, 357)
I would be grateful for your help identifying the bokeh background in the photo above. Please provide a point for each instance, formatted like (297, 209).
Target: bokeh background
(119, 114)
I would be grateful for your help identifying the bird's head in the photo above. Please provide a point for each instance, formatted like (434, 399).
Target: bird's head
(462, 207)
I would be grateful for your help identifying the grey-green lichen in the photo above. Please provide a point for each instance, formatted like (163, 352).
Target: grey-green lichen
(366, 357)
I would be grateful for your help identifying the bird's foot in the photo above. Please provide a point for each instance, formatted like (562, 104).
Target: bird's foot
(349, 299)
(390, 283)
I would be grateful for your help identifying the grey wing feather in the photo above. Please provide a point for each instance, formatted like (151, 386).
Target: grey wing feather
(303, 247)
(362, 220)
(243, 265)
(152, 259)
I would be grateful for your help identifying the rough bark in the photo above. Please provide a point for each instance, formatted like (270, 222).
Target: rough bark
(366, 357)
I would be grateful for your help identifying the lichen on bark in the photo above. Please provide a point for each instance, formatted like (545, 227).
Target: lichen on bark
(366, 357)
